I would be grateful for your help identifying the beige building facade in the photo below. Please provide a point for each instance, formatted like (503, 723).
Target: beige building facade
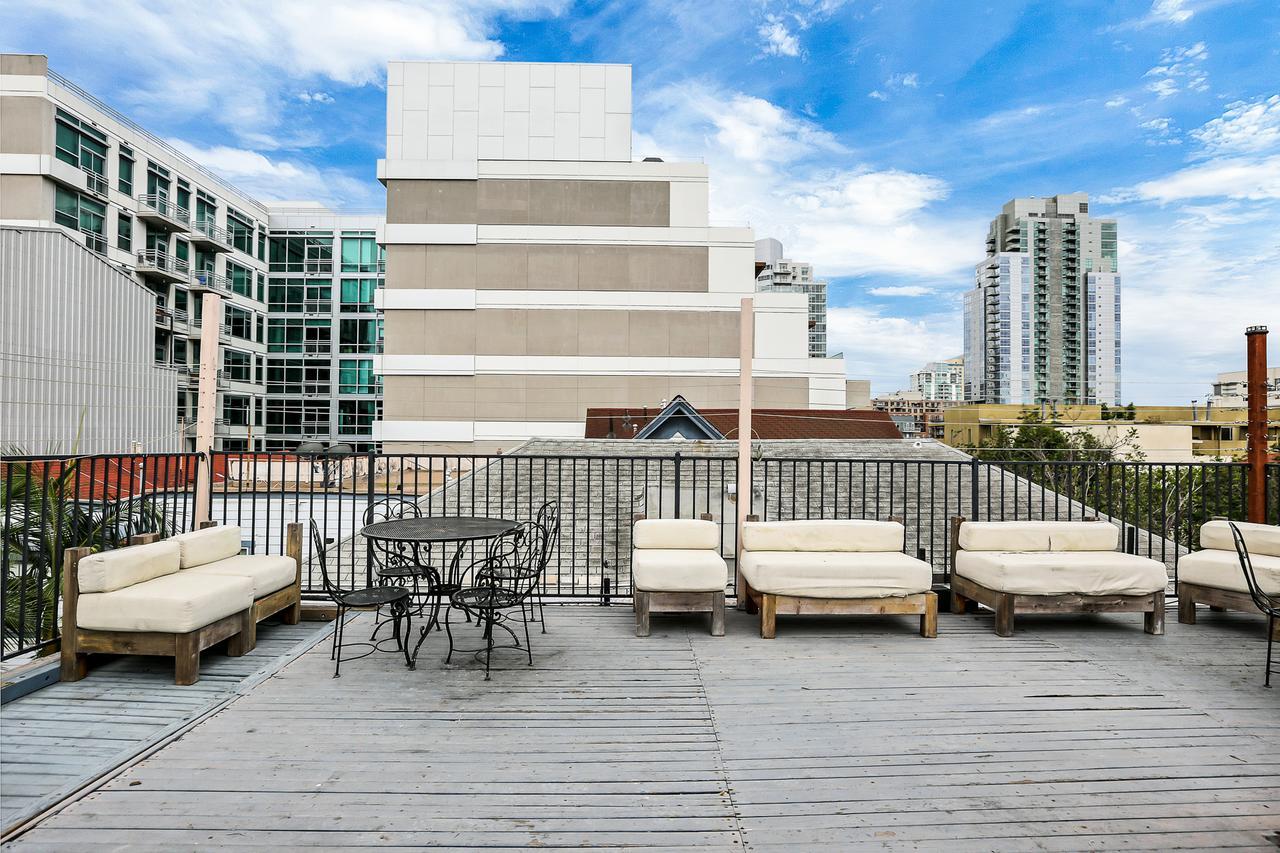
(534, 270)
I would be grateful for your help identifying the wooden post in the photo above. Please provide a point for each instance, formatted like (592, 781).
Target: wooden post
(74, 664)
(207, 401)
(1256, 385)
(746, 479)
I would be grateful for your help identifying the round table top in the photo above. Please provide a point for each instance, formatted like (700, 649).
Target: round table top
(439, 529)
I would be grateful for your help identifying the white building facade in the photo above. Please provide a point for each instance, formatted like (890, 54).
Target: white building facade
(940, 380)
(534, 269)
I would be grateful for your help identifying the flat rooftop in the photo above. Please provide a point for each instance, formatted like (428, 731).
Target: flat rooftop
(1080, 732)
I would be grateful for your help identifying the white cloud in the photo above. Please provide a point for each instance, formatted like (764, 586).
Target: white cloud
(315, 97)
(1161, 131)
(1117, 101)
(776, 170)
(778, 40)
(887, 349)
(878, 95)
(1171, 11)
(1246, 127)
(896, 83)
(237, 63)
(270, 179)
(1179, 71)
(1235, 178)
(901, 290)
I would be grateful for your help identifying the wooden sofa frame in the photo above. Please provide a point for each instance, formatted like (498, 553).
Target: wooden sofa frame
(1191, 594)
(238, 629)
(769, 605)
(646, 603)
(1007, 604)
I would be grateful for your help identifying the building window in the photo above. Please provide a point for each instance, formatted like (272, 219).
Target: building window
(262, 244)
(297, 296)
(83, 146)
(305, 417)
(299, 335)
(239, 323)
(357, 294)
(157, 181)
(124, 231)
(356, 376)
(301, 253)
(359, 336)
(82, 214)
(124, 181)
(298, 377)
(361, 254)
(238, 365)
(356, 417)
(235, 410)
(206, 210)
(241, 279)
(241, 229)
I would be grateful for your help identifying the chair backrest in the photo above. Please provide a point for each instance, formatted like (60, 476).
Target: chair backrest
(514, 562)
(1264, 602)
(549, 520)
(319, 553)
(392, 508)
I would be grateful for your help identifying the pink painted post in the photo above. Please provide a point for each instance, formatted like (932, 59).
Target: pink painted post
(207, 401)
(746, 353)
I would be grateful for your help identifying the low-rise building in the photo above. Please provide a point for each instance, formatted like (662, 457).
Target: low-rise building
(941, 380)
(916, 415)
(1230, 389)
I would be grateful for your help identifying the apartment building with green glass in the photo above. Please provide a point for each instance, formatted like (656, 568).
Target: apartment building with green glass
(67, 160)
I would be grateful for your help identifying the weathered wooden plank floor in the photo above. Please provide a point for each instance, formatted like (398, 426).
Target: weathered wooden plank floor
(54, 739)
(1078, 733)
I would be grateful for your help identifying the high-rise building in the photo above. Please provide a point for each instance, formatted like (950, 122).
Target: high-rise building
(70, 162)
(940, 380)
(1042, 323)
(534, 270)
(776, 274)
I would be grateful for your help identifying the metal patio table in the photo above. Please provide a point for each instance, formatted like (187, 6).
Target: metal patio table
(440, 530)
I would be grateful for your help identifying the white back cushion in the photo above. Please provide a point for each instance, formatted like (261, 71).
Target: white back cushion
(676, 534)
(1258, 538)
(826, 536)
(209, 545)
(112, 570)
(1039, 536)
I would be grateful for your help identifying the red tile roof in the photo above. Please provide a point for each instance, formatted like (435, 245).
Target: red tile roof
(765, 423)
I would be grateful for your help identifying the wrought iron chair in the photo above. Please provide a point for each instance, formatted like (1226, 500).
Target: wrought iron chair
(398, 563)
(1269, 605)
(549, 520)
(369, 598)
(504, 583)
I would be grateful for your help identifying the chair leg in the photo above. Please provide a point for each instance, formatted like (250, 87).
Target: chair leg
(929, 619)
(641, 604)
(1004, 616)
(186, 659)
(408, 628)
(449, 631)
(717, 614)
(488, 633)
(1271, 637)
(1186, 609)
(768, 616)
(542, 615)
(337, 641)
(527, 643)
(1153, 620)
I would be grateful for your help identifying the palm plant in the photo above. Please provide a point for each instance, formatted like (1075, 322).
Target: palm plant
(41, 515)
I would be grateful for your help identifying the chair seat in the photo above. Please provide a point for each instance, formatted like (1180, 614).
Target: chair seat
(678, 570)
(836, 574)
(484, 598)
(1221, 570)
(1063, 572)
(374, 596)
(268, 573)
(402, 571)
(173, 604)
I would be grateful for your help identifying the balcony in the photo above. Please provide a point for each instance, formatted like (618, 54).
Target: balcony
(158, 211)
(207, 235)
(163, 267)
(204, 280)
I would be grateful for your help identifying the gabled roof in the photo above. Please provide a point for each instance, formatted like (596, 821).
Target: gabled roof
(768, 424)
(679, 420)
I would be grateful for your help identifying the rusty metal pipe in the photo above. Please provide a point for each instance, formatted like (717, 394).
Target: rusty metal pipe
(1256, 389)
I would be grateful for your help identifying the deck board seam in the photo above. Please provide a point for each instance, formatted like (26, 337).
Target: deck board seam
(721, 768)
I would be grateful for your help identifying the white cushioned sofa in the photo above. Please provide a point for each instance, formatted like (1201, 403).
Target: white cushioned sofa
(1213, 575)
(174, 598)
(834, 567)
(676, 567)
(1052, 567)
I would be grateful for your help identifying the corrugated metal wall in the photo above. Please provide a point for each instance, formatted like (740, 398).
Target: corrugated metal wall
(77, 340)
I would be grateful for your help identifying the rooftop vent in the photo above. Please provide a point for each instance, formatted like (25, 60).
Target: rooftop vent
(651, 160)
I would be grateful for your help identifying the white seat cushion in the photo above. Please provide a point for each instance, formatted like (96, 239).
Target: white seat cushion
(1221, 570)
(823, 535)
(836, 574)
(1039, 536)
(268, 573)
(209, 545)
(675, 534)
(123, 567)
(678, 570)
(173, 604)
(1261, 539)
(1063, 572)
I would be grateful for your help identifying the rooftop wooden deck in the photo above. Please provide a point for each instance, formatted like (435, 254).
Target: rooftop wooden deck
(1077, 733)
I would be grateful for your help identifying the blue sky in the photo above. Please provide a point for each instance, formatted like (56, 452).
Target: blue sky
(874, 139)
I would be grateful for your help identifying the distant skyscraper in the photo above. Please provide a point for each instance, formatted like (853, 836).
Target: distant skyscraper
(940, 380)
(776, 274)
(1042, 323)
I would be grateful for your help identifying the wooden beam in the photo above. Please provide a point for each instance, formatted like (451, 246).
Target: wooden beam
(744, 482)
(207, 400)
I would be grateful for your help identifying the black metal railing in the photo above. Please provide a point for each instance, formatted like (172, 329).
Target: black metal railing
(1159, 506)
(49, 504)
